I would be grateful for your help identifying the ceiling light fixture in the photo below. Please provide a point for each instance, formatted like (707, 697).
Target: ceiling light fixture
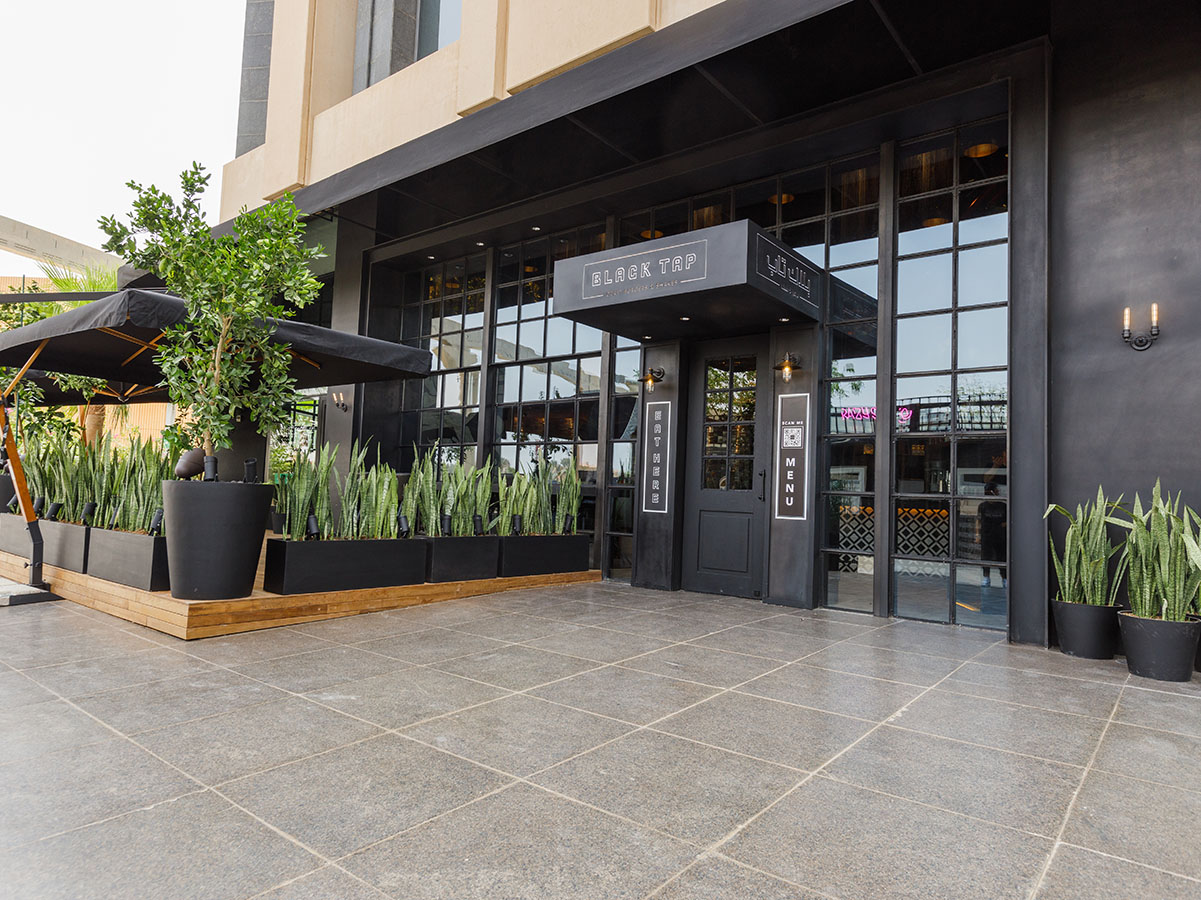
(780, 199)
(934, 220)
(981, 150)
(685, 318)
(649, 235)
(535, 228)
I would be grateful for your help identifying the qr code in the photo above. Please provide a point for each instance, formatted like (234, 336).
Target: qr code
(794, 437)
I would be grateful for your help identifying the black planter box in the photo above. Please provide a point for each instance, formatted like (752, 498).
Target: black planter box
(463, 558)
(306, 567)
(138, 560)
(65, 545)
(543, 554)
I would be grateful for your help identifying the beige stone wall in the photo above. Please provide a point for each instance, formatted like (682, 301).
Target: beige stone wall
(316, 128)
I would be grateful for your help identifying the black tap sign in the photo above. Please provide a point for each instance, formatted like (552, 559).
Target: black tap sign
(792, 457)
(655, 457)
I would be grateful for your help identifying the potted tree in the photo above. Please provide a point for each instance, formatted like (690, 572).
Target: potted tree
(541, 539)
(1085, 608)
(1160, 631)
(218, 362)
(364, 549)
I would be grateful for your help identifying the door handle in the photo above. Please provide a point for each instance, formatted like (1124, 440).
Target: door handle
(762, 485)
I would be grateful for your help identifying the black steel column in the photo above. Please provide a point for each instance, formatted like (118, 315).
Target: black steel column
(885, 401)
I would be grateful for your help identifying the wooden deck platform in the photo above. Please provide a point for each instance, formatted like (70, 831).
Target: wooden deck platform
(190, 619)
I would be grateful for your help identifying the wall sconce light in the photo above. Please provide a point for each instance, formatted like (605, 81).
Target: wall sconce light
(1142, 340)
(786, 365)
(652, 377)
(339, 399)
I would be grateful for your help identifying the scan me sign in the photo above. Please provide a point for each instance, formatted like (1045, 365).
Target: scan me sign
(655, 453)
(792, 456)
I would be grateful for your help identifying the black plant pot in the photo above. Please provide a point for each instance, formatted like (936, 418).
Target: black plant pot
(304, 567)
(1165, 651)
(1086, 631)
(138, 560)
(14, 536)
(279, 522)
(543, 554)
(64, 545)
(214, 537)
(463, 558)
(7, 491)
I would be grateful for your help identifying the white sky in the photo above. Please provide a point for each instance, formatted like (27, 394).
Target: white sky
(96, 93)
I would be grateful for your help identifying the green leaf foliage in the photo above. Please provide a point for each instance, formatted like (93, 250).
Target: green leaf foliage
(221, 359)
(1083, 569)
(1163, 576)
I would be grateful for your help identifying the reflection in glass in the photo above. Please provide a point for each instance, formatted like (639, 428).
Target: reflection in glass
(710, 211)
(924, 283)
(586, 462)
(983, 529)
(717, 374)
(717, 407)
(741, 474)
(743, 372)
(983, 151)
(853, 293)
(983, 338)
(923, 466)
(625, 418)
(533, 382)
(621, 511)
(587, 339)
(671, 220)
(924, 224)
(983, 402)
(625, 371)
(924, 343)
(622, 463)
(850, 522)
(983, 467)
(507, 269)
(743, 440)
(636, 228)
(452, 389)
(853, 349)
(473, 309)
(621, 556)
(590, 370)
(588, 425)
(713, 474)
(926, 166)
(757, 202)
(508, 384)
(983, 213)
(854, 238)
(506, 343)
(981, 596)
(808, 239)
(984, 275)
(561, 422)
(854, 183)
(849, 581)
(563, 375)
(717, 439)
(802, 196)
(851, 465)
(920, 590)
(742, 406)
(558, 336)
(853, 407)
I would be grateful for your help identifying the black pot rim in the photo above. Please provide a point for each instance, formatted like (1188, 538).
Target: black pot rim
(1129, 613)
(1093, 605)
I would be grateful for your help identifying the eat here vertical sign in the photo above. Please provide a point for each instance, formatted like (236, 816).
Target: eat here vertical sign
(655, 456)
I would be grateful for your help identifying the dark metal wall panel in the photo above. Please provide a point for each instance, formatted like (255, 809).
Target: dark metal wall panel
(1125, 219)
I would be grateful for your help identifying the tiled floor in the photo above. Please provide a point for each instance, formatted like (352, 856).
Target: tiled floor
(587, 742)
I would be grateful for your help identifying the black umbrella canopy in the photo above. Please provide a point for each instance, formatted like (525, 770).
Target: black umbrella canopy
(115, 339)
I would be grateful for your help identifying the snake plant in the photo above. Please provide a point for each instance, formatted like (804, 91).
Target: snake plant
(1164, 576)
(1083, 569)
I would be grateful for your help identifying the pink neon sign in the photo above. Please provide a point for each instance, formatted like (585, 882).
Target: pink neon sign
(904, 413)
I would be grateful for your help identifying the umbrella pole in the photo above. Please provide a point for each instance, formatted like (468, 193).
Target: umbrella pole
(10, 454)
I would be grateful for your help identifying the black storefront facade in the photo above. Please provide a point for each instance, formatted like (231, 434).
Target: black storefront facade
(942, 211)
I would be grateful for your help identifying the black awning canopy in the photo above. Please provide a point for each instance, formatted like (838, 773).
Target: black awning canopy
(714, 282)
(115, 339)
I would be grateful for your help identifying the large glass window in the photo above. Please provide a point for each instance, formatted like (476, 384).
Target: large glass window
(950, 446)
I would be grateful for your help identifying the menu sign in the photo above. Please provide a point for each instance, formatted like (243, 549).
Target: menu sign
(792, 456)
(655, 456)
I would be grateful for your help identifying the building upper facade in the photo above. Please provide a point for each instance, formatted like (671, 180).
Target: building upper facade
(346, 80)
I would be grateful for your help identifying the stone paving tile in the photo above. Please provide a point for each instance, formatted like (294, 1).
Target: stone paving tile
(79, 679)
(1147, 823)
(665, 625)
(693, 663)
(636, 697)
(852, 843)
(513, 627)
(955, 642)
(325, 884)
(1191, 688)
(1160, 709)
(57, 791)
(814, 627)
(1022, 729)
(1151, 755)
(199, 846)
(778, 732)
(41, 728)
(365, 627)
(348, 798)
(23, 651)
(430, 646)
(16, 689)
(240, 649)
(402, 698)
(717, 614)
(53, 610)
(1052, 662)
(516, 668)
(694, 792)
(889, 665)
(247, 740)
(580, 612)
(317, 669)
(518, 734)
(175, 700)
(522, 843)
(1076, 874)
(780, 645)
(599, 644)
(718, 878)
(1086, 698)
(837, 692)
(453, 612)
(1024, 793)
